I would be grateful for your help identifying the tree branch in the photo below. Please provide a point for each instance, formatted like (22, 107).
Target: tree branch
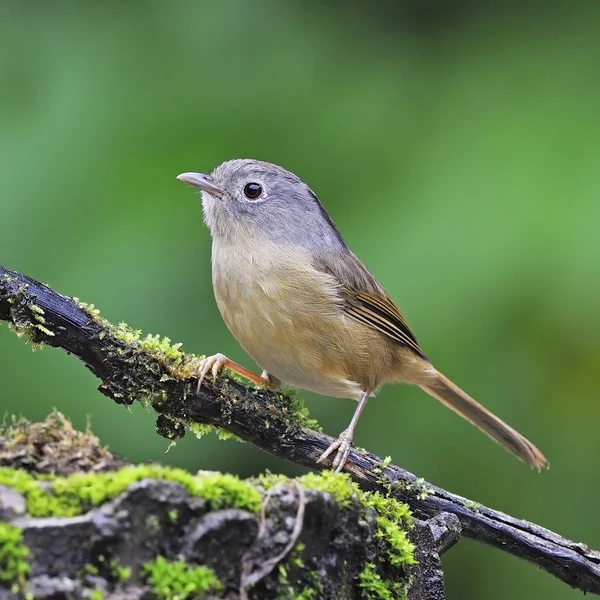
(132, 368)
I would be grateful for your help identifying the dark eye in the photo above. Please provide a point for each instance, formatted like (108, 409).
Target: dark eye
(252, 191)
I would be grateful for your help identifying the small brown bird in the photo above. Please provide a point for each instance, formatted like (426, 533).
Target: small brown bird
(306, 309)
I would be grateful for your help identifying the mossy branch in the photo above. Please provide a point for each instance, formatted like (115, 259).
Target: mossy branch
(152, 370)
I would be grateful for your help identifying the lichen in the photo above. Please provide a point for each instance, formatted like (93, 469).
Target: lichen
(77, 493)
(176, 580)
(14, 567)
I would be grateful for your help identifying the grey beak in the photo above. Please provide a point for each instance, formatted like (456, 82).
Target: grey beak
(201, 181)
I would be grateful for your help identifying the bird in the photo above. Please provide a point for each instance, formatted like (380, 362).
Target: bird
(306, 309)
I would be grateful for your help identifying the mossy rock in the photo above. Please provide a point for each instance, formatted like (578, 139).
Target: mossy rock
(149, 531)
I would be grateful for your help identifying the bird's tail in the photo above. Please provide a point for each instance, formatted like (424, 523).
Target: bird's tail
(454, 398)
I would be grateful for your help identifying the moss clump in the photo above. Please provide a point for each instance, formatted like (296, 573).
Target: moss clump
(473, 506)
(155, 345)
(78, 493)
(201, 429)
(176, 580)
(393, 518)
(37, 312)
(53, 446)
(376, 588)
(14, 567)
(160, 348)
(339, 485)
(27, 321)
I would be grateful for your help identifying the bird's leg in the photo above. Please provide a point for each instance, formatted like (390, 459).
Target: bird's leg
(344, 441)
(216, 362)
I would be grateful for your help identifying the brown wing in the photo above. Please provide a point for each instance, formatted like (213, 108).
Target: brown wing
(366, 301)
(382, 314)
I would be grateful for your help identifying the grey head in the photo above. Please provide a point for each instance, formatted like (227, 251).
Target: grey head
(245, 195)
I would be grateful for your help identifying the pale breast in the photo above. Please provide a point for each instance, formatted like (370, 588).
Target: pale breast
(287, 316)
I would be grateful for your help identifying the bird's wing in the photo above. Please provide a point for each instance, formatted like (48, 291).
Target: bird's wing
(366, 301)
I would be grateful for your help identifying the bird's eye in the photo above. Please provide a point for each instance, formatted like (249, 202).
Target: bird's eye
(252, 191)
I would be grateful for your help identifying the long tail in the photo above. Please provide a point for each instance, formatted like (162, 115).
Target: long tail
(454, 398)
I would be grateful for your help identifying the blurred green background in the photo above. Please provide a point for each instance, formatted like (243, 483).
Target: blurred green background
(455, 144)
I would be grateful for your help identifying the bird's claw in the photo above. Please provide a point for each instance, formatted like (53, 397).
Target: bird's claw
(214, 364)
(341, 447)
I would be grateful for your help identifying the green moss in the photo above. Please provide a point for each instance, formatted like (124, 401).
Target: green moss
(160, 348)
(89, 308)
(77, 493)
(96, 595)
(27, 331)
(27, 318)
(393, 518)
(296, 410)
(306, 594)
(376, 588)
(37, 312)
(295, 580)
(110, 569)
(418, 489)
(201, 429)
(379, 469)
(286, 590)
(473, 506)
(176, 580)
(119, 572)
(339, 485)
(14, 567)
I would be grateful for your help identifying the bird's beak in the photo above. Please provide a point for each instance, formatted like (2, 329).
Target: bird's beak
(203, 182)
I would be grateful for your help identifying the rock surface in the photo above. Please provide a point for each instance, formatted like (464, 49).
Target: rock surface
(302, 542)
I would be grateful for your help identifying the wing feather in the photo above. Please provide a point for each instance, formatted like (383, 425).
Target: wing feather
(366, 301)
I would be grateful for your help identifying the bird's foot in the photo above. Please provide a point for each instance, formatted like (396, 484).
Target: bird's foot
(215, 364)
(341, 447)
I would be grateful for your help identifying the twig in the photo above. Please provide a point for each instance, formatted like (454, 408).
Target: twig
(131, 368)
